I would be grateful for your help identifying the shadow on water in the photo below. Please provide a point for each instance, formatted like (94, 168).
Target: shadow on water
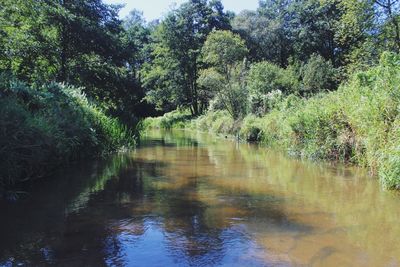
(184, 199)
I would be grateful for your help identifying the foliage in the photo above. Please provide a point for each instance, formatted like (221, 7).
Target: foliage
(265, 81)
(173, 119)
(219, 122)
(358, 123)
(79, 42)
(226, 52)
(171, 77)
(318, 75)
(44, 127)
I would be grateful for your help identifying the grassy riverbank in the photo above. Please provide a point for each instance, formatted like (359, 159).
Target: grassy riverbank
(44, 127)
(359, 123)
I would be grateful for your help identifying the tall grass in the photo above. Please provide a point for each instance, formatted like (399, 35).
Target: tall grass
(44, 127)
(174, 119)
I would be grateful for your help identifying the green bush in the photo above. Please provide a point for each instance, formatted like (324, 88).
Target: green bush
(218, 122)
(264, 81)
(251, 129)
(42, 128)
(318, 75)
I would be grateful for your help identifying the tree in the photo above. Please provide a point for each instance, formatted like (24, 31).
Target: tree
(283, 29)
(225, 52)
(391, 9)
(312, 27)
(265, 32)
(172, 74)
(318, 75)
(81, 42)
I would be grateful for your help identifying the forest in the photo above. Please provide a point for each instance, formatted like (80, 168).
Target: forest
(317, 78)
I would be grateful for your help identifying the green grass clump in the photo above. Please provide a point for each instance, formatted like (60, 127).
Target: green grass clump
(218, 122)
(42, 128)
(174, 119)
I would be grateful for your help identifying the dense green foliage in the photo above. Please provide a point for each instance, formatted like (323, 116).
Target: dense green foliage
(225, 53)
(44, 127)
(52, 55)
(304, 75)
(171, 75)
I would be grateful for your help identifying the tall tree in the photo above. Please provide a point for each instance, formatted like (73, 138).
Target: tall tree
(226, 52)
(179, 39)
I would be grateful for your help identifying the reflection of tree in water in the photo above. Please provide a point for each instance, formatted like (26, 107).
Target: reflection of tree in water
(33, 229)
(94, 216)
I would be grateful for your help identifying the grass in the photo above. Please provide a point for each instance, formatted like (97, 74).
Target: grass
(174, 119)
(44, 127)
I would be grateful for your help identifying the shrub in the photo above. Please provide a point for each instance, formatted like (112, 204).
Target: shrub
(358, 123)
(318, 75)
(263, 80)
(251, 129)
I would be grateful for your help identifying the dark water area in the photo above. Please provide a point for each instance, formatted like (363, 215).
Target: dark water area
(190, 199)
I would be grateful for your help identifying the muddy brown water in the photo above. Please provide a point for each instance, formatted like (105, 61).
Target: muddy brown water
(190, 199)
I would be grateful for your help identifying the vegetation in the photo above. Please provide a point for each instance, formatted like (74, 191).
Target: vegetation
(44, 127)
(69, 79)
(307, 76)
(358, 123)
(304, 75)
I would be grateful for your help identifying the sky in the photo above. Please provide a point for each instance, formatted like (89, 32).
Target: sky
(154, 9)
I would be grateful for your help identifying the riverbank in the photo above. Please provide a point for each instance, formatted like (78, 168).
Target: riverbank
(358, 124)
(47, 126)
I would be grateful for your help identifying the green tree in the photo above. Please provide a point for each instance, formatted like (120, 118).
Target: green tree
(80, 42)
(171, 77)
(225, 52)
(265, 32)
(318, 75)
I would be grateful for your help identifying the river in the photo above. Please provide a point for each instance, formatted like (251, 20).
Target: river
(190, 199)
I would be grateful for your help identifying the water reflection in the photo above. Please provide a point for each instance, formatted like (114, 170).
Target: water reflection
(187, 199)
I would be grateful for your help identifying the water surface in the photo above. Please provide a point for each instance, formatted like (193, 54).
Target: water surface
(189, 199)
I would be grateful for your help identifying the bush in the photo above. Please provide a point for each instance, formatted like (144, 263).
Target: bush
(42, 128)
(318, 75)
(251, 129)
(264, 81)
(358, 123)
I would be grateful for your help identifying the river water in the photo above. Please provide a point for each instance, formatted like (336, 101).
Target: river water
(190, 199)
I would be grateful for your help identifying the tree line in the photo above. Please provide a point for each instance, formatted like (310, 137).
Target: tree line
(200, 54)
(127, 65)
